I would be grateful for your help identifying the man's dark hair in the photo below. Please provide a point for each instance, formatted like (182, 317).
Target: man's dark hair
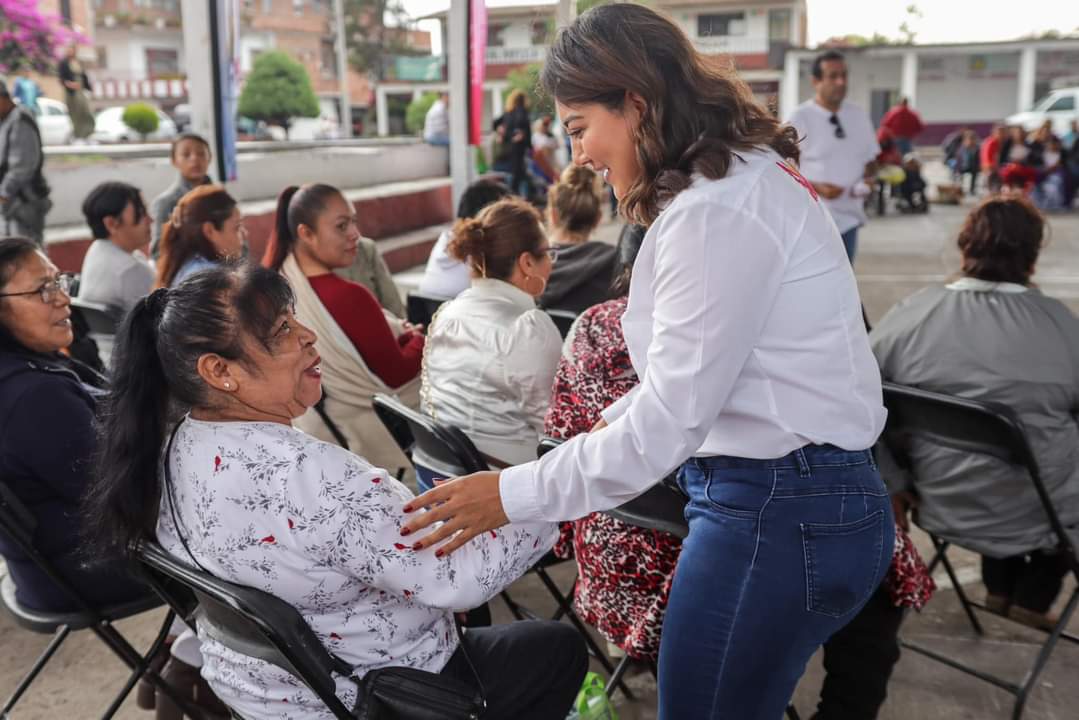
(479, 195)
(829, 56)
(109, 200)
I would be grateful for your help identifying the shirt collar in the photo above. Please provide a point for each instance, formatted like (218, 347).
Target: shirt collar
(969, 283)
(488, 287)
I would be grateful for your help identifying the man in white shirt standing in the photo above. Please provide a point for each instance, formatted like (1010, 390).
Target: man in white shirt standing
(839, 147)
(436, 124)
(115, 271)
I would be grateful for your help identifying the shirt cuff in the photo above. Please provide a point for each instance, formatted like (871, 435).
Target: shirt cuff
(517, 489)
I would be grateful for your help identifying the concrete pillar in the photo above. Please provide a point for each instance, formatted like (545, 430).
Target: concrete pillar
(796, 27)
(200, 75)
(1028, 77)
(342, 69)
(457, 51)
(788, 89)
(382, 112)
(908, 84)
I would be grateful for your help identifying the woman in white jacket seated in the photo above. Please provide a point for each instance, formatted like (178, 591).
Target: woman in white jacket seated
(491, 354)
(254, 501)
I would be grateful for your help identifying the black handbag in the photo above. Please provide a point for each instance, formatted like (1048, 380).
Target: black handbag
(392, 693)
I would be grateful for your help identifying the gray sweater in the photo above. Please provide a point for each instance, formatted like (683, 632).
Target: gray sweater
(1000, 343)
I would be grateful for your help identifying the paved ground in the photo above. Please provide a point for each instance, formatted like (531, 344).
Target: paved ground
(899, 254)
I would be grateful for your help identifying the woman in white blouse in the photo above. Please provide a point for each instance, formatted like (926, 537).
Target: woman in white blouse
(757, 380)
(247, 497)
(491, 355)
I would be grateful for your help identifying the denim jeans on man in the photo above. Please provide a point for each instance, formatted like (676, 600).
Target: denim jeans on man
(780, 555)
(850, 242)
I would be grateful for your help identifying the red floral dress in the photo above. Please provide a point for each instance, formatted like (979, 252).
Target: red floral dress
(625, 572)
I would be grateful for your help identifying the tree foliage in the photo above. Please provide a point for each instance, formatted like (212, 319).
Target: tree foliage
(278, 89)
(526, 80)
(141, 118)
(371, 41)
(417, 112)
(30, 38)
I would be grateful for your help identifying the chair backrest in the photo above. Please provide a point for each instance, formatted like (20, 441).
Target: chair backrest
(563, 319)
(972, 426)
(248, 621)
(441, 448)
(101, 319)
(420, 308)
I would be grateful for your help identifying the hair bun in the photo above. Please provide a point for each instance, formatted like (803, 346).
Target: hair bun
(578, 177)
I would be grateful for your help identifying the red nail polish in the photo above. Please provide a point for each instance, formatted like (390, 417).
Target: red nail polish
(439, 553)
(408, 508)
(418, 546)
(405, 531)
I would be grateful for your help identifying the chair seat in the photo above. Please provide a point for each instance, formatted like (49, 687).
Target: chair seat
(46, 622)
(658, 508)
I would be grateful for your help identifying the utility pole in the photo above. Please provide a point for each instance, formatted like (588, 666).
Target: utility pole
(342, 68)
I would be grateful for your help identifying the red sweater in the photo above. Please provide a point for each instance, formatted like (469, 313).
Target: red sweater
(394, 360)
(902, 121)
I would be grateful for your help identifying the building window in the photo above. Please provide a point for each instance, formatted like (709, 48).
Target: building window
(162, 63)
(539, 32)
(297, 7)
(328, 59)
(494, 34)
(779, 24)
(267, 6)
(102, 54)
(721, 25)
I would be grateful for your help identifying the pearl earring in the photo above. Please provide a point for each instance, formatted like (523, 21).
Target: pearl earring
(227, 386)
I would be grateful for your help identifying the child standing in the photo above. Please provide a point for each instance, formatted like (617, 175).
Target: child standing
(190, 155)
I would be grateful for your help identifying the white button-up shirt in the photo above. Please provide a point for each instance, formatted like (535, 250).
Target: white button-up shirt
(745, 327)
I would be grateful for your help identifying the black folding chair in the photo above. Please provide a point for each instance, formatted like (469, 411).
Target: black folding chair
(447, 451)
(248, 621)
(988, 429)
(563, 319)
(18, 526)
(102, 322)
(420, 308)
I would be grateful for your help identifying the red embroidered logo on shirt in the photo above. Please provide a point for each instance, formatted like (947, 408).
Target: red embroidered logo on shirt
(799, 179)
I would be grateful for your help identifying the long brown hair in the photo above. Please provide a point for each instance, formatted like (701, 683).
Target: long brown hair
(698, 114)
(182, 237)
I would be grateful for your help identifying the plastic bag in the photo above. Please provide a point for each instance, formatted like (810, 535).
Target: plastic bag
(592, 702)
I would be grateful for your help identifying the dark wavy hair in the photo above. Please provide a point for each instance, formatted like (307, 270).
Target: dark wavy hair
(698, 113)
(1001, 239)
(155, 380)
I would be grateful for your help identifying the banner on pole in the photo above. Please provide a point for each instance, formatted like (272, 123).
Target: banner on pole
(227, 65)
(477, 64)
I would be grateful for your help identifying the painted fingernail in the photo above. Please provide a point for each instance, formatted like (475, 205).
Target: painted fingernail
(408, 508)
(418, 546)
(405, 531)
(439, 553)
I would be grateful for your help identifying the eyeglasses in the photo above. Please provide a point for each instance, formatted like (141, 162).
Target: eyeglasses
(48, 290)
(839, 132)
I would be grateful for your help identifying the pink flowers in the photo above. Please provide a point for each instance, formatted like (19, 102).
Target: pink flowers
(31, 38)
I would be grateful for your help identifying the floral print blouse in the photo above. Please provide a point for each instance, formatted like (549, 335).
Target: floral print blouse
(270, 507)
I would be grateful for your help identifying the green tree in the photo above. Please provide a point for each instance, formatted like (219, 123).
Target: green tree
(371, 41)
(906, 28)
(277, 90)
(141, 118)
(417, 112)
(526, 80)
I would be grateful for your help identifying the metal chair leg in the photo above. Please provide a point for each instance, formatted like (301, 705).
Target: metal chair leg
(942, 548)
(1043, 656)
(61, 634)
(616, 676)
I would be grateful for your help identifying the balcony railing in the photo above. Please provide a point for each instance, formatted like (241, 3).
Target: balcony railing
(515, 55)
(732, 45)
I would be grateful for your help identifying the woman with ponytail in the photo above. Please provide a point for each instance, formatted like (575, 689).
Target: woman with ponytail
(204, 229)
(491, 353)
(585, 269)
(365, 350)
(199, 453)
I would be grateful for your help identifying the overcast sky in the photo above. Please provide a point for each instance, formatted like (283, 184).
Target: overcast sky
(943, 21)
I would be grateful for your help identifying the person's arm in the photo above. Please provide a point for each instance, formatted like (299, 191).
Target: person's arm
(531, 365)
(23, 157)
(360, 316)
(53, 427)
(377, 554)
(385, 288)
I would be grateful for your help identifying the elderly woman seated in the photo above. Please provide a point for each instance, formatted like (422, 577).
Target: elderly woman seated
(47, 405)
(992, 335)
(247, 497)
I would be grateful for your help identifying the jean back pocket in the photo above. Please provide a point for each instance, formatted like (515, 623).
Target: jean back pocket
(843, 563)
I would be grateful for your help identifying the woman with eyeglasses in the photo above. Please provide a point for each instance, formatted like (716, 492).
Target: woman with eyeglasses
(47, 438)
(757, 383)
(491, 353)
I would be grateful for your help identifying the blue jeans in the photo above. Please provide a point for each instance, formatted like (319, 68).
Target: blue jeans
(850, 242)
(425, 478)
(780, 555)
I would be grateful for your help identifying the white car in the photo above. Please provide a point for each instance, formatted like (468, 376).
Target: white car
(54, 122)
(109, 127)
(1060, 106)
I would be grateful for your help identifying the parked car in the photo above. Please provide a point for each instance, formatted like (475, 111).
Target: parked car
(109, 127)
(54, 122)
(181, 115)
(1060, 106)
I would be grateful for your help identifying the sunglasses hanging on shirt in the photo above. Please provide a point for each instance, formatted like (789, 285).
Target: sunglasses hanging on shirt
(839, 132)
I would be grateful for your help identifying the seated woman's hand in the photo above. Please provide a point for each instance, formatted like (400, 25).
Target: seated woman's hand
(466, 506)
